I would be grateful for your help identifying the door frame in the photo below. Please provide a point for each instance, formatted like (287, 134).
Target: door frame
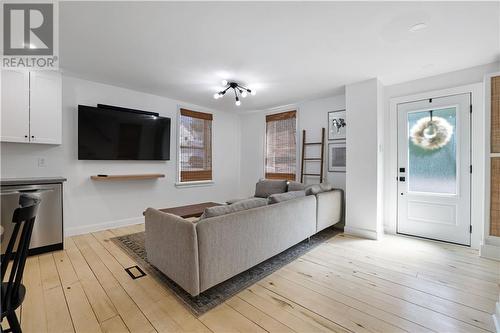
(477, 157)
(461, 196)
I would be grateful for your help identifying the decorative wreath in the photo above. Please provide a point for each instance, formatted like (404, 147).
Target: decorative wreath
(431, 133)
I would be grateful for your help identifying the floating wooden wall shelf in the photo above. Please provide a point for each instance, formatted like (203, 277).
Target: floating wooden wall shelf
(142, 176)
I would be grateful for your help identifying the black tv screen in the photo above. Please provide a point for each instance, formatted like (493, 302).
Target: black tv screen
(107, 134)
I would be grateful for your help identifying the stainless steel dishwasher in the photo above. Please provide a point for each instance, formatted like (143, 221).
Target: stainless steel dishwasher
(48, 228)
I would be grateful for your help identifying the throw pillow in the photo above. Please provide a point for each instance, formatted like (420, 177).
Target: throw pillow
(295, 186)
(313, 189)
(326, 187)
(265, 188)
(280, 197)
(236, 207)
(319, 188)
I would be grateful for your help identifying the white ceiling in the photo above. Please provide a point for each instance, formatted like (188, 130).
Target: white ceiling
(287, 51)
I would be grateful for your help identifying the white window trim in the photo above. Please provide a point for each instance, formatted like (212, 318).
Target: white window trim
(200, 183)
(490, 244)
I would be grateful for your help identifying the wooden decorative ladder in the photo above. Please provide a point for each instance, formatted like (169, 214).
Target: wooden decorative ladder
(312, 159)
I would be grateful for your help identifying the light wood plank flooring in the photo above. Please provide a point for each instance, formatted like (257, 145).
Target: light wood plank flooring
(398, 284)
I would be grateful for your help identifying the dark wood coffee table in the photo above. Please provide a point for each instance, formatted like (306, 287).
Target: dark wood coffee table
(190, 210)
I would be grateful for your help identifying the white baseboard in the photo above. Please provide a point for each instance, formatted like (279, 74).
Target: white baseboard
(363, 233)
(388, 229)
(102, 226)
(496, 317)
(490, 251)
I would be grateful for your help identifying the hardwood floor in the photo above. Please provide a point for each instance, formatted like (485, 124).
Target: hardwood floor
(398, 284)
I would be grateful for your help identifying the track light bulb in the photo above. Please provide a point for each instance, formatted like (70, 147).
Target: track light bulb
(238, 103)
(224, 83)
(253, 92)
(244, 94)
(216, 96)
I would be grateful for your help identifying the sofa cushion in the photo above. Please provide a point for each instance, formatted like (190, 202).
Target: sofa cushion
(235, 207)
(232, 201)
(266, 187)
(280, 197)
(295, 186)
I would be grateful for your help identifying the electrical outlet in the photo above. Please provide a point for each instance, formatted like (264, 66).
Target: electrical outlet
(42, 162)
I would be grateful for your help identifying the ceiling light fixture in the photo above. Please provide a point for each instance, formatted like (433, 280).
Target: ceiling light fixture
(417, 27)
(237, 89)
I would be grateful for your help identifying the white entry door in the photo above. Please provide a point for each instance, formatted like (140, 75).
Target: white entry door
(434, 168)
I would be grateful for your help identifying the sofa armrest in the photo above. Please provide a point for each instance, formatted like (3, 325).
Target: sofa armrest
(172, 246)
(330, 208)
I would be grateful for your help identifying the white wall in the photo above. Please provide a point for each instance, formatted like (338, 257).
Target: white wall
(364, 159)
(311, 116)
(90, 205)
(441, 82)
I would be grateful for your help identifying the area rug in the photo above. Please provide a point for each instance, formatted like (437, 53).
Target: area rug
(133, 245)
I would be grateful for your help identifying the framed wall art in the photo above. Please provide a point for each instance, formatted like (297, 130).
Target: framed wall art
(337, 125)
(336, 156)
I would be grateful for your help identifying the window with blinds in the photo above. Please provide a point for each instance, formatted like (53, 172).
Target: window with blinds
(195, 146)
(281, 145)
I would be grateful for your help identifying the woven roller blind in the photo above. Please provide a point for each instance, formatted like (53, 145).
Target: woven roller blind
(495, 114)
(195, 160)
(495, 197)
(281, 145)
(495, 161)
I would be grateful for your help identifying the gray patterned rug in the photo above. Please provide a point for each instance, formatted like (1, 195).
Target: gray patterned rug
(133, 245)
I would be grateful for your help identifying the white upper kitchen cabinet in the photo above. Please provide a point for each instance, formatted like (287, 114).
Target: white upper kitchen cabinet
(14, 111)
(45, 107)
(31, 107)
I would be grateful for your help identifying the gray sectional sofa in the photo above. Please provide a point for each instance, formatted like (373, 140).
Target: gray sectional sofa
(201, 254)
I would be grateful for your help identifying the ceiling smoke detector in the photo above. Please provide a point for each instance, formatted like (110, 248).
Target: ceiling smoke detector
(417, 27)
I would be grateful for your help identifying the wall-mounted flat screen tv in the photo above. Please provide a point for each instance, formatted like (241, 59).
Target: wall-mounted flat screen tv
(122, 134)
